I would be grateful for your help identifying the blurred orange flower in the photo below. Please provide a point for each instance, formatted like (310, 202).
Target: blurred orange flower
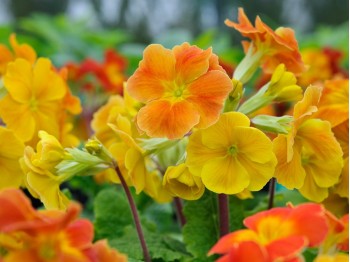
(182, 88)
(39, 236)
(279, 234)
(273, 47)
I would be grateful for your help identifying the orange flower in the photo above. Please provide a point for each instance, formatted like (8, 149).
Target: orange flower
(269, 47)
(334, 102)
(183, 88)
(40, 236)
(24, 51)
(279, 234)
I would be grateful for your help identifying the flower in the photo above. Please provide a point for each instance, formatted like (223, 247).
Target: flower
(230, 156)
(40, 171)
(278, 234)
(11, 150)
(181, 183)
(101, 252)
(24, 51)
(309, 157)
(334, 102)
(281, 88)
(182, 88)
(33, 101)
(47, 235)
(267, 47)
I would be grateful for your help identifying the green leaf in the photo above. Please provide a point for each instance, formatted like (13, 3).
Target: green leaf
(112, 214)
(236, 207)
(160, 247)
(201, 231)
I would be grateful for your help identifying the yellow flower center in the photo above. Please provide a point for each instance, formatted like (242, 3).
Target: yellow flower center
(47, 251)
(33, 104)
(233, 150)
(178, 92)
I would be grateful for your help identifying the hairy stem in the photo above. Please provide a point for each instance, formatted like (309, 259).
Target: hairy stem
(224, 220)
(272, 186)
(134, 214)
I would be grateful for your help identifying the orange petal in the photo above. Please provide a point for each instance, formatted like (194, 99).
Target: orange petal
(165, 119)
(191, 62)
(144, 86)
(159, 62)
(287, 248)
(311, 222)
(208, 94)
(80, 233)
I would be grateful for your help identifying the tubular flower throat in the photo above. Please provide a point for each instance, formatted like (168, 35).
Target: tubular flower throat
(182, 88)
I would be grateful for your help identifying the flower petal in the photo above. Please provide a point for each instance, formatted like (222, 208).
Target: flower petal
(225, 175)
(165, 119)
(208, 94)
(191, 62)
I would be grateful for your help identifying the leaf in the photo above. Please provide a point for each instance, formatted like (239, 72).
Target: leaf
(112, 214)
(160, 247)
(201, 230)
(236, 207)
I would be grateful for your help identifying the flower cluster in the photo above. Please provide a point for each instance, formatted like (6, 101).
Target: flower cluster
(178, 128)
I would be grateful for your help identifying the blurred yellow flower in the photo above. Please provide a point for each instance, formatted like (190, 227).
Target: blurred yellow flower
(179, 181)
(11, 150)
(230, 156)
(33, 100)
(24, 51)
(39, 168)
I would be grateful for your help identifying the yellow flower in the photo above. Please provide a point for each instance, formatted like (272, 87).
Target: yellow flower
(39, 168)
(231, 156)
(33, 101)
(281, 88)
(181, 183)
(339, 257)
(309, 157)
(24, 51)
(11, 150)
(138, 169)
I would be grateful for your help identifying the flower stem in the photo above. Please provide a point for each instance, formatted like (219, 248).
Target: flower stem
(179, 213)
(272, 186)
(224, 219)
(134, 214)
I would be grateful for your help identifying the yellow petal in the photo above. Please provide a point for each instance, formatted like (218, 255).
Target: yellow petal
(225, 175)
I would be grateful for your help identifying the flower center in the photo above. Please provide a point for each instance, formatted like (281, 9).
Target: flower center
(233, 150)
(33, 104)
(178, 92)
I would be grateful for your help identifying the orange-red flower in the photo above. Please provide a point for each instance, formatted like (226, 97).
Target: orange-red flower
(41, 236)
(275, 47)
(279, 234)
(182, 88)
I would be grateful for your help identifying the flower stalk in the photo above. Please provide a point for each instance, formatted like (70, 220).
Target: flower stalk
(134, 214)
(272, 186)
(224, 220)
(180, 215)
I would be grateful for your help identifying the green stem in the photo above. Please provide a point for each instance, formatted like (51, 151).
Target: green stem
(224, 219)
(134, 214)
(272, 186)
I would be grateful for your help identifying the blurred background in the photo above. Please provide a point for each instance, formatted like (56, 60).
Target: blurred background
(71, 29)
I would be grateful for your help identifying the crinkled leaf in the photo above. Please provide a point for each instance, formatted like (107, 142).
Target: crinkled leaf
(201, 231)
(112, 214)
